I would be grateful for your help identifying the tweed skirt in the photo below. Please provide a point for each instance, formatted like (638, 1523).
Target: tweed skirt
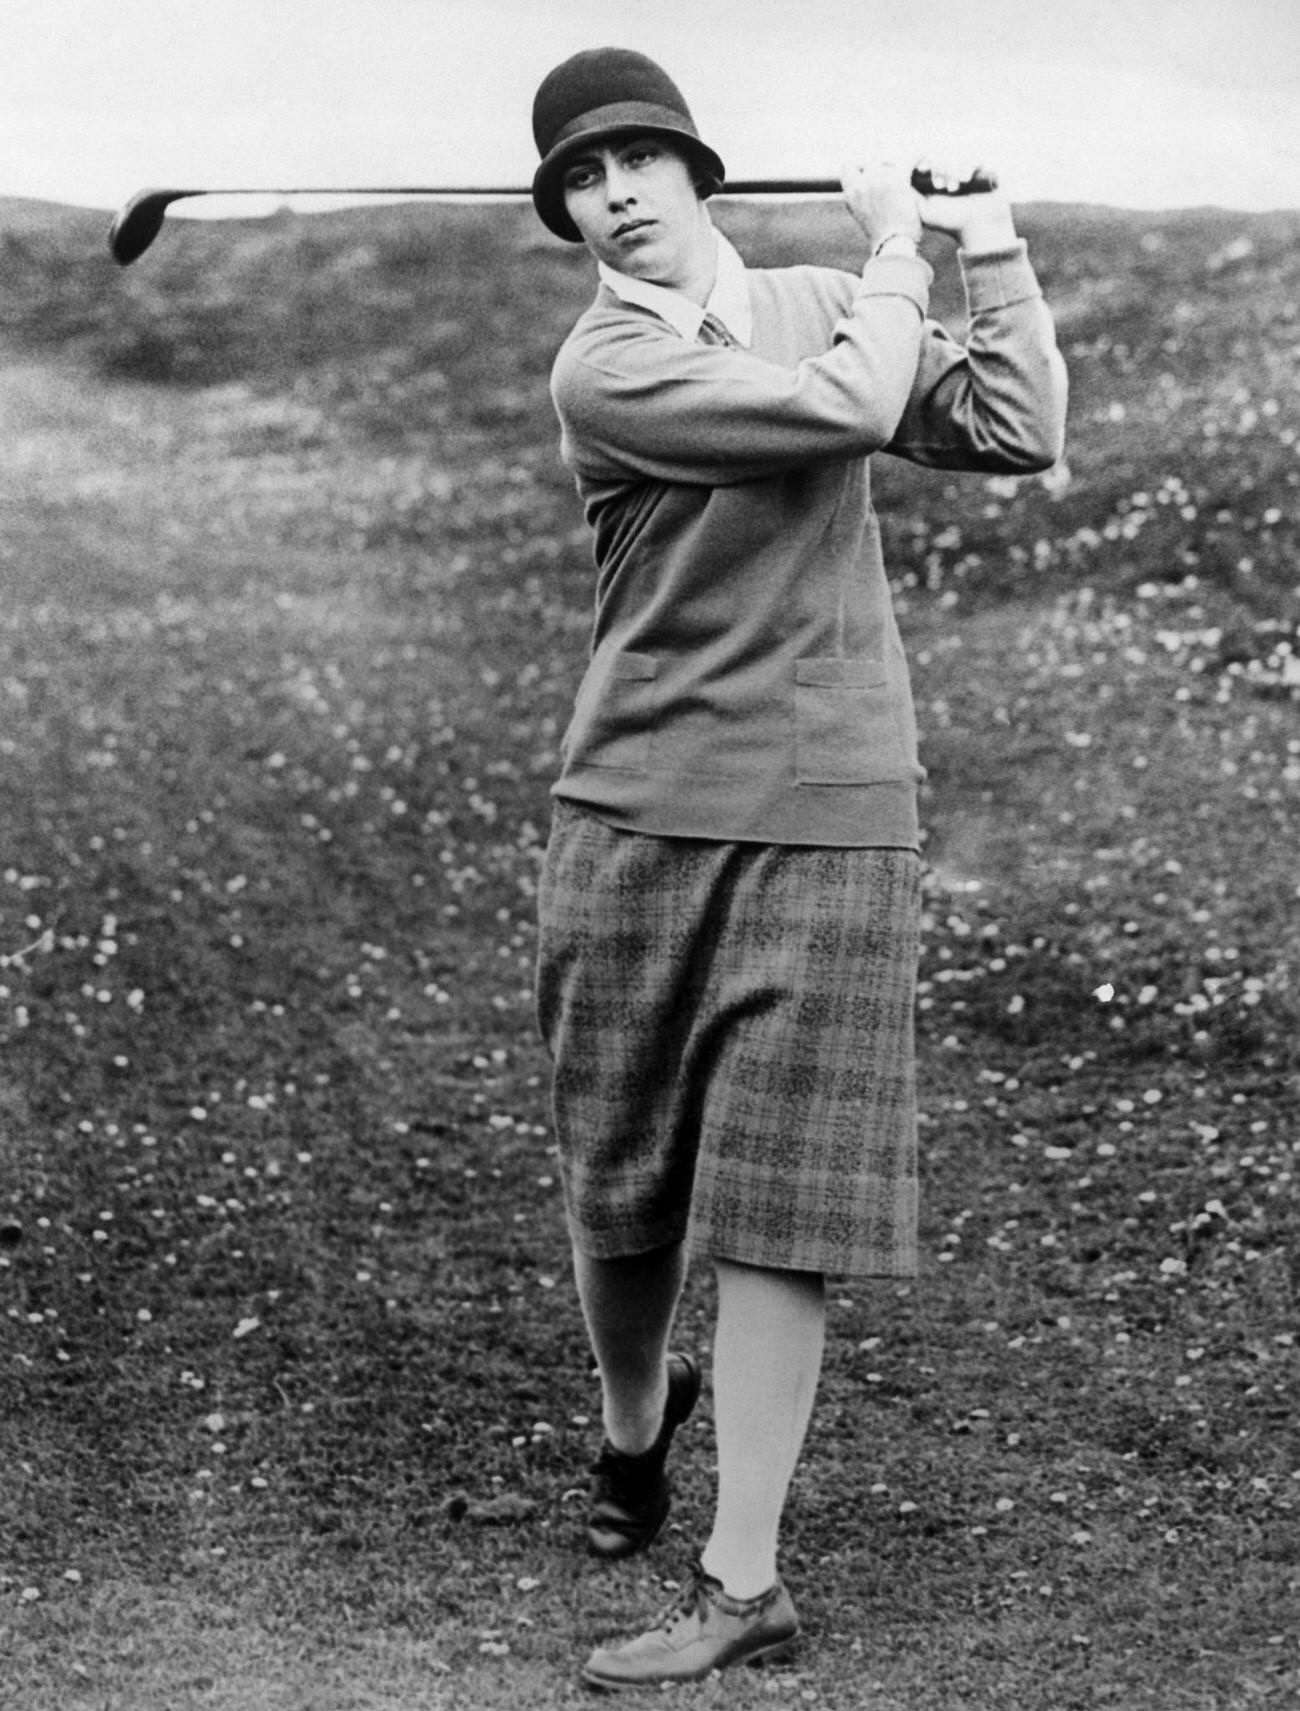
(731, 1032)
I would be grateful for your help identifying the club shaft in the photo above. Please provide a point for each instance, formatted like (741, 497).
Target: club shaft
(140, 221)
(733, 187)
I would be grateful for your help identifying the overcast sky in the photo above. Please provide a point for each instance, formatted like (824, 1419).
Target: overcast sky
(1142, 103)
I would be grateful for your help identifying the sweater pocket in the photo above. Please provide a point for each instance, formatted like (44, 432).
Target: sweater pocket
(611, 721)
(846, 729)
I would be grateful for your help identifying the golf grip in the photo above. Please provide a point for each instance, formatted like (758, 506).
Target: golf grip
(979, 183)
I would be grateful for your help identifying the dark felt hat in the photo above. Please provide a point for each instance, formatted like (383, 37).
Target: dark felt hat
(598, 94)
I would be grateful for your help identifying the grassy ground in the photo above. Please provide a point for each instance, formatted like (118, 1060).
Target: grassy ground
(295, 1400)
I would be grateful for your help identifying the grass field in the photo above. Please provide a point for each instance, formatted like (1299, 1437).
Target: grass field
(294, 1395)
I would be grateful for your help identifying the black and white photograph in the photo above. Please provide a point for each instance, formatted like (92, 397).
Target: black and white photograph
(649, 855)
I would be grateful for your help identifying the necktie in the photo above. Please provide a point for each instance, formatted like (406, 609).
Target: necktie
(712, 332)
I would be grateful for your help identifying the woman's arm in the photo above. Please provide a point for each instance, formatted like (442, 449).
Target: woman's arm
(998, 403)
(634, 399)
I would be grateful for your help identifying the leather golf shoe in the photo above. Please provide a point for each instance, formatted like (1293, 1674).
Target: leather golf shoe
(630, 1495)
(704, 1631)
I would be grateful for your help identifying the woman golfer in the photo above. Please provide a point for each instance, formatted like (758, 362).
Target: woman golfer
(729, 907)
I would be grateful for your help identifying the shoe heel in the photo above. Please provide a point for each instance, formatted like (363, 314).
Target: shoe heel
(780, 1652)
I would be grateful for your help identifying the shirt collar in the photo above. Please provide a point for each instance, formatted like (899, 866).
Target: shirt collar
(729, 299)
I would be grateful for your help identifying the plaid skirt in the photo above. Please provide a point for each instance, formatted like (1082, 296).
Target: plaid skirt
(731, 1031)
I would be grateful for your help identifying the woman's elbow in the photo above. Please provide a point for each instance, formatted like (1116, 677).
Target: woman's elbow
(1025, 447)
(1041, 451)
(1037, 440)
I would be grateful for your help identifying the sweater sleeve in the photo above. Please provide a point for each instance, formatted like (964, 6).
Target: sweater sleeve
(997, 403)
(635, 399)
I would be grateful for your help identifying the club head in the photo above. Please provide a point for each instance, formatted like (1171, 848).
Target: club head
(139, 223)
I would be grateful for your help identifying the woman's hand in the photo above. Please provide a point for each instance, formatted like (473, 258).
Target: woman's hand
(981, 223)
(881, 199)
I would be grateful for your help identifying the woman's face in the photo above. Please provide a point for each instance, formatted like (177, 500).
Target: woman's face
(635, 203)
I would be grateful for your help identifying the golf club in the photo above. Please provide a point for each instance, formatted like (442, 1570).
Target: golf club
(139, 222)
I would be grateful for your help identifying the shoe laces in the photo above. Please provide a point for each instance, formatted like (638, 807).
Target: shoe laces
(690, 1600)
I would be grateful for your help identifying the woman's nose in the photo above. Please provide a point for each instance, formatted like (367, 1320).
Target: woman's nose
(618, 189)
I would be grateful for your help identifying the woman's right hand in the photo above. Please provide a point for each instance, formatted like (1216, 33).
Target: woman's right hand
(881, 199)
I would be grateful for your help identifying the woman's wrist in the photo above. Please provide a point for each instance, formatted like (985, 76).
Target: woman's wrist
(988, 236)
(896, 243)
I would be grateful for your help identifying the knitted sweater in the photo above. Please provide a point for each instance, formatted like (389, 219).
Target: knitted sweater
(747, 680)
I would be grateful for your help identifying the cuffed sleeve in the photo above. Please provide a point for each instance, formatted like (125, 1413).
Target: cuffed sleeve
(999, 279)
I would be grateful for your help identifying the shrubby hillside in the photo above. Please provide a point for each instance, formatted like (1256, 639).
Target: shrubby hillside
(419, 321)
(294, 1398)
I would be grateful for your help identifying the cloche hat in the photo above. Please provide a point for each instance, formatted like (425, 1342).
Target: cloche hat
(594, 95)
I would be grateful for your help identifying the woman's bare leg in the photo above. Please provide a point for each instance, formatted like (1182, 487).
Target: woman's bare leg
(629, 1305)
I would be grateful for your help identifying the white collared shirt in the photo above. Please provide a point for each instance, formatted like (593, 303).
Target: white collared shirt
(729, 299)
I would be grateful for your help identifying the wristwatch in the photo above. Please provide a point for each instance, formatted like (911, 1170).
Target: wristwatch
(896, 243)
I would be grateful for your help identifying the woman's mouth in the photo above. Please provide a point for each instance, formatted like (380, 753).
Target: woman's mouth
(630, 226)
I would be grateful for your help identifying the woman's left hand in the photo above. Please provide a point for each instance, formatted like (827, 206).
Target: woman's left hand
(980, 223)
